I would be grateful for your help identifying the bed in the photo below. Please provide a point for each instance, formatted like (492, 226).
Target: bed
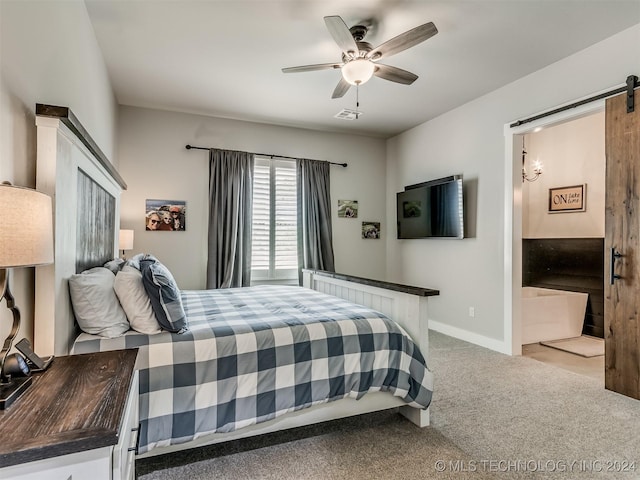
(338, 326)
(254, 354)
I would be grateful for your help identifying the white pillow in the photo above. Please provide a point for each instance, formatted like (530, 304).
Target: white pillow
(135, 301)
(95, 304)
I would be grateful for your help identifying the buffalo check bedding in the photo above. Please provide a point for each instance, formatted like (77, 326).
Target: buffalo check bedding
(253, 354)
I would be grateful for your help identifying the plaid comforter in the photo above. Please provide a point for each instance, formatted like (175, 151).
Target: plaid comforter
(253, 354)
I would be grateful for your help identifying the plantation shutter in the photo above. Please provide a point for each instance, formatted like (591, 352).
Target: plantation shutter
(261, 213)
(286, 245)
(274, 242)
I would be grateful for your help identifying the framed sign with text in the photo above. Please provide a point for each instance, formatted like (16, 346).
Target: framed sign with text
(568, 199)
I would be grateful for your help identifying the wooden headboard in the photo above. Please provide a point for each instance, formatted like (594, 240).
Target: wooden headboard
(85, 189)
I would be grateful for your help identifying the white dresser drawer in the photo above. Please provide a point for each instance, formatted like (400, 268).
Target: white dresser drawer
(94, 464)
(124, 452)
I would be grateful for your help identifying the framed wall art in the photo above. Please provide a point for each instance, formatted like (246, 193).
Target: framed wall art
(165, 215)
(371, 230)
(568, 199)
(347, 209)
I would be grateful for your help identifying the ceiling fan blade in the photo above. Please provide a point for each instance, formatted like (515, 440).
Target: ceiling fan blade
(310, 68)
(342, 88)
(341, 34)
(403, 41)
(394, 74)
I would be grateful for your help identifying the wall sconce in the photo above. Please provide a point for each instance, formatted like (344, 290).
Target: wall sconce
(26, 240)
(125, 241)
(537, 167)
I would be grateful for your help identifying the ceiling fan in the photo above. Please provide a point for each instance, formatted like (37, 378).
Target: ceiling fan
(359, 58)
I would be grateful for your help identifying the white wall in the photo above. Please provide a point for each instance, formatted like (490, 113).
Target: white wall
(470, 140)
(155, 164)
(572, 153)
(48, 54)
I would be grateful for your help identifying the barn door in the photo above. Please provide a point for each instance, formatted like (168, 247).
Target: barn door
(622, 247)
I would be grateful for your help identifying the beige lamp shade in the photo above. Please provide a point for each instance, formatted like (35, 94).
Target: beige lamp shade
(26, 227)
(125, 240)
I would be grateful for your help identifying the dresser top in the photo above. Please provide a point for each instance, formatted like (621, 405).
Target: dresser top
(76, 405)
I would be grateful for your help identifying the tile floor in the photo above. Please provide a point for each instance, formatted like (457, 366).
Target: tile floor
(592, 367)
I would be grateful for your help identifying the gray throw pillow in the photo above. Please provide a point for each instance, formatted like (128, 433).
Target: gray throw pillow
(164, 295)
(135, 260)
(114, 265)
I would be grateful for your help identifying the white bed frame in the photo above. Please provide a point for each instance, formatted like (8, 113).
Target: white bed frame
(60, 154)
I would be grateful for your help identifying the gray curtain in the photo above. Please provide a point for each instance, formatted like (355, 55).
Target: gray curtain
(230, 211)
(315, 246)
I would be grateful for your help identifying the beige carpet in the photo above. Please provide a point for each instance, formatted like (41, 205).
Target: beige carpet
(584, 346)
(512, 418)
(375, 446)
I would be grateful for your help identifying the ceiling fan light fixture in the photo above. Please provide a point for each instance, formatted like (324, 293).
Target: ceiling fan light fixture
(358, 71)
(359, 59)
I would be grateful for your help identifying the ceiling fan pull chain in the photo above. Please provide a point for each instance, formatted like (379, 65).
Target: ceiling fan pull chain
(357, 101)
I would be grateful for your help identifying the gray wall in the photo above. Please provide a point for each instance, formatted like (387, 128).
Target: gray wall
(471, 140)
(155, 165)
(48, 54)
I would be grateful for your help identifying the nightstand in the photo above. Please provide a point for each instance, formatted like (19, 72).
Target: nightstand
(79, 420)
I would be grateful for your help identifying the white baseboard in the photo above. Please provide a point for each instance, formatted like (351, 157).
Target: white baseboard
(467, 336)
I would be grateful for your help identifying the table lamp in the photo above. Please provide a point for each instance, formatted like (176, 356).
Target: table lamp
(26, 240)
(125, 241)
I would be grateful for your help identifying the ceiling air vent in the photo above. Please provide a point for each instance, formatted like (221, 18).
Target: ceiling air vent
(346, 114)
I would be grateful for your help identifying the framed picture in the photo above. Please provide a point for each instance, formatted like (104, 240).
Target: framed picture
(371, 230)
(347, 209)
(568, 199)
(165, 215)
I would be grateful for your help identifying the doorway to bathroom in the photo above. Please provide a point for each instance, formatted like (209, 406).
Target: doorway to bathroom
(563, 229)
(621, 290)
(556, 172)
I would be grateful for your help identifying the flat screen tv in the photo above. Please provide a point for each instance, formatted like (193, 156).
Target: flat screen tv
(431, 209)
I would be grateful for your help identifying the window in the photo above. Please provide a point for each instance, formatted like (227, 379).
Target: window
(274, 245)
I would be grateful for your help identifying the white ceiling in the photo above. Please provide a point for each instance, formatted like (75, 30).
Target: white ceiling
(224, 57)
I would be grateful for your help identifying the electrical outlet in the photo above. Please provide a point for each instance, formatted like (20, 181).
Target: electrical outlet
(472, 311)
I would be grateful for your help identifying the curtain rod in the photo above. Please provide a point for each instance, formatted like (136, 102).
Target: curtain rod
(631, 84)
(190, 147)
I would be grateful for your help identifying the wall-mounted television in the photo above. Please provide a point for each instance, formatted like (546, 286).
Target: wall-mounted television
(431, 209)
